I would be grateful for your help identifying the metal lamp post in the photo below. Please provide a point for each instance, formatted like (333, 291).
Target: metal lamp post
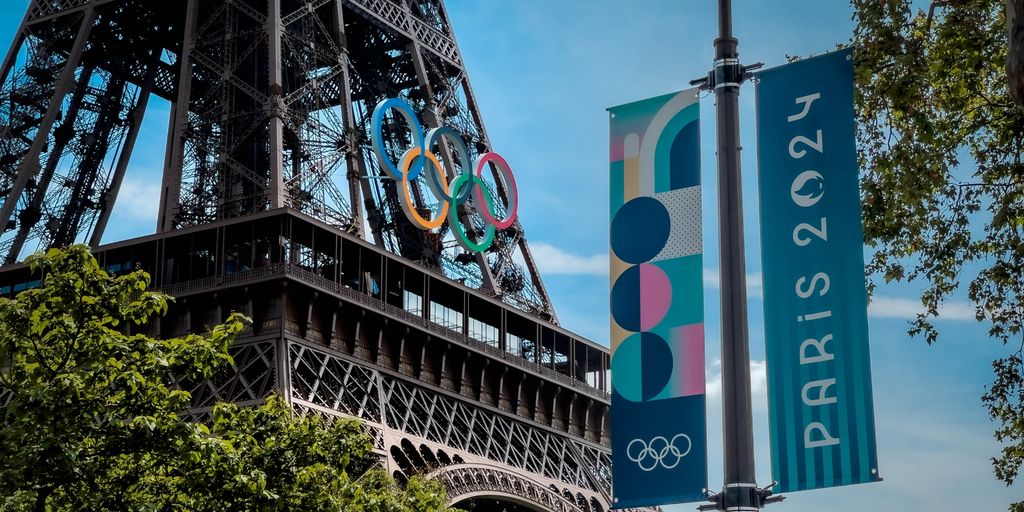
(740, 492)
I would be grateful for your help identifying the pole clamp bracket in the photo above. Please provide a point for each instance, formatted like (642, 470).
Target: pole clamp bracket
(741, 497)
(726, 73)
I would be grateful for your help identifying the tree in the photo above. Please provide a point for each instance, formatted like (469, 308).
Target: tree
(87, 406)
(265, 459)
(940, 141)
(91, 416)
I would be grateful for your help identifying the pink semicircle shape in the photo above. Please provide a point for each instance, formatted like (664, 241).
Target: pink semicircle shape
(655, 295)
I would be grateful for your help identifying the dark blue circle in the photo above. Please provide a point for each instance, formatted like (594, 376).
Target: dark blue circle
(639, 230)
(625, 299)
(656, 361)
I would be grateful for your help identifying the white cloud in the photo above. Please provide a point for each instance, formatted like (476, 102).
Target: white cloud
(758, 380)
(138, 201)
(901, 307)
(552, 260)
(712, 280)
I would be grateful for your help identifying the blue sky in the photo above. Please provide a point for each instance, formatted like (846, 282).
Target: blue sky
(544, 72)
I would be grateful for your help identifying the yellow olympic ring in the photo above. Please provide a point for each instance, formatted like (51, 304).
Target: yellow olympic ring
(410, 212)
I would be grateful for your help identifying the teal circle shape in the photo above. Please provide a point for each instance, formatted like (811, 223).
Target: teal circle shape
(641, 366)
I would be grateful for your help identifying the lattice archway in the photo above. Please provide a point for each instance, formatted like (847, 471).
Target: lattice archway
(471, 482)
(495, 503)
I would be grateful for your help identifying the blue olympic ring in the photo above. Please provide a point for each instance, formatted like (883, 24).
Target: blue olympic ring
(468, 181)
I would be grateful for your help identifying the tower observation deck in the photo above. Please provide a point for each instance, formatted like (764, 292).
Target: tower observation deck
(273, 203)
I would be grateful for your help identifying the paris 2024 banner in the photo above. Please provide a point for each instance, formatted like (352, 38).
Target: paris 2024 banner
(658, 425)
(821, 418)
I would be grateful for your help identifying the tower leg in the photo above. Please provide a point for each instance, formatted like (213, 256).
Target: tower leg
(52, 159)
(135, 123)
(29, 165)
(170, 190)
(353, 158)
(489, 284)
(275, 106)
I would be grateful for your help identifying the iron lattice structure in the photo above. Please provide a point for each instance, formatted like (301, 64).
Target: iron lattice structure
(455, 361)
(272, 110)
(452, 382)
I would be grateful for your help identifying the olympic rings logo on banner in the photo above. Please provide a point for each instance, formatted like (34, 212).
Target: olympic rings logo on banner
(660, 450)
(420, 159)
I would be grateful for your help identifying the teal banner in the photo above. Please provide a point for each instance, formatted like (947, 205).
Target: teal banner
(658, 422)
(812, 255)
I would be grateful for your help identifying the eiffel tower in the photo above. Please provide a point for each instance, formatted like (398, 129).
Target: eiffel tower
(273, 203)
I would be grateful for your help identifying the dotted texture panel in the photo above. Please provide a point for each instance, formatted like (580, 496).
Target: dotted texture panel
(684, 237)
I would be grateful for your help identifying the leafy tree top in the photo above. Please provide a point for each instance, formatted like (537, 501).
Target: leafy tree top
(91, 417)
(940, 143)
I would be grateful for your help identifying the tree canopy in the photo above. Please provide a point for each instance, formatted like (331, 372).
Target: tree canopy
(91, 416)
(940, 143)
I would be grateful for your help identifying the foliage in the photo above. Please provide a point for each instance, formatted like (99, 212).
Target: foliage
(91, 416)
(265, 459)
(940, 142)
(81, 396)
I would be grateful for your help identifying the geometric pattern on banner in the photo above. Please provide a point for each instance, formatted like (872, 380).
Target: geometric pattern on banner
(684, 237)
(659, 431)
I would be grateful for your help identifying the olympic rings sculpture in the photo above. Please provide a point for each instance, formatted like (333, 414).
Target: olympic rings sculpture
(420, 159)
(659, 451)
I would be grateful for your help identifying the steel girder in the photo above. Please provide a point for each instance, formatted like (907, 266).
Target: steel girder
(270, 107)
(326, 381)
(467, 481)
(474, 450)
(72, 98)
(272, 110)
